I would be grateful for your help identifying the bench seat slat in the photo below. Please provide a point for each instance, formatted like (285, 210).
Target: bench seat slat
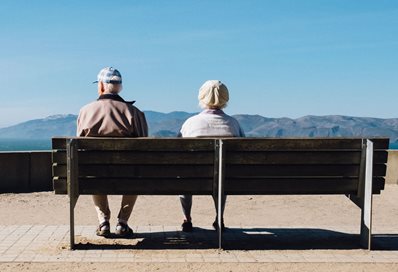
(305, 157)
(129, 171)
(139, 157)
(299, 170)
(270, 144)
(232, 144)
(139, 144)
(206, 170)
(280, 158)
(141, 186)
(233, 187)
(113, 157)
(294, 186)
(138, 186)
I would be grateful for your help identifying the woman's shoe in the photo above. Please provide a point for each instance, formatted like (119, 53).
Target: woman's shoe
(215, 225)
(186, 226)
(123, 230)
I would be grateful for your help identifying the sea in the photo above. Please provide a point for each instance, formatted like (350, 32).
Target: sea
(25, 144)
(45, 144)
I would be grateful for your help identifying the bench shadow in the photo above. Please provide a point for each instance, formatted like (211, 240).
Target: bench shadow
(302, 239)
(242, 239)
(385, 242)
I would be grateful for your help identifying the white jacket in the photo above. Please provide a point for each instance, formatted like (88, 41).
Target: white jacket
(211, 123)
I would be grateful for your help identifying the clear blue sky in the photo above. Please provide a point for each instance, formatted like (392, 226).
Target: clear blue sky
(278, 58)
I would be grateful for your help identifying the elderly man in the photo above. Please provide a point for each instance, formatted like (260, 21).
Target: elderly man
(111, 116)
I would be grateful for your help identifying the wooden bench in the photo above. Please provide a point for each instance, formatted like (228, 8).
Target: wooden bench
(217, 166)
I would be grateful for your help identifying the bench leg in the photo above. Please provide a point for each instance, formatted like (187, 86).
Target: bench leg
(218, 182)
(220, 214)
(366, 209)
(219, 221)
(72, 181)
(72, 204)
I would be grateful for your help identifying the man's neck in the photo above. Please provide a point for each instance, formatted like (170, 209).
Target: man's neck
(109, 93)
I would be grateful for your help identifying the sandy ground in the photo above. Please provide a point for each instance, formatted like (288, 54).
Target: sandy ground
(269, 211)
(277, 211)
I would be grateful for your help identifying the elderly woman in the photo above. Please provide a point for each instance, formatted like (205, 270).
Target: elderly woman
(212, 121)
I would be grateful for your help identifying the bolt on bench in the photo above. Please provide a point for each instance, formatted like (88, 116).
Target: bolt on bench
(353, 167)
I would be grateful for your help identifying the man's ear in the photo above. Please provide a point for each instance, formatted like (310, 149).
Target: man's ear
(101, 89)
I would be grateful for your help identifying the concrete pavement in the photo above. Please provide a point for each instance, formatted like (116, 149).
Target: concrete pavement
(167, 244)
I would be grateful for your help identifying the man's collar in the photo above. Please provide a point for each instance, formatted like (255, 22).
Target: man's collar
(115, 97)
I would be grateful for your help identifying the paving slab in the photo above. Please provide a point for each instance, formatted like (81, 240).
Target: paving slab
(166, 244)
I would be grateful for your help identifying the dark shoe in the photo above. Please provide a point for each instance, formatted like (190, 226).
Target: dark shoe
(215, 225)
(186, 226)
(103, 229)
(123, 230)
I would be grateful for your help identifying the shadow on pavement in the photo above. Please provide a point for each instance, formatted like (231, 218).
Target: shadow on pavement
(385, 242)
(242, 239)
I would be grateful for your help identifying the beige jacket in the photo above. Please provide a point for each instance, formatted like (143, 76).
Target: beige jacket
(111, 116)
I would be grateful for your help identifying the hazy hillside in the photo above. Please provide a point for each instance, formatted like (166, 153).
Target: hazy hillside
(165, 124)
(168, 125)
(160, 124)
(42, 128)
(319, 126)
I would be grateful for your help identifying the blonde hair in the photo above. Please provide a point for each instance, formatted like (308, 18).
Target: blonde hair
(213, 95)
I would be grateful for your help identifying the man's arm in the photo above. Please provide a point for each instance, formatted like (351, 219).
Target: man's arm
(79, 130)
(141, 125)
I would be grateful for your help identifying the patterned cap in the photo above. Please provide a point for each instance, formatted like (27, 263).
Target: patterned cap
(109, 75)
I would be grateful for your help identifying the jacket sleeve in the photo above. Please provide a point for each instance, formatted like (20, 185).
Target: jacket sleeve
(141, 125)
(79, 129)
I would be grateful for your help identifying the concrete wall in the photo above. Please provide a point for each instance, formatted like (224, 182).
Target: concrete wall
(22, 172)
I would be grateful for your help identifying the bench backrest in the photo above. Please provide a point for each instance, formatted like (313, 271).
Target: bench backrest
(300, 166)
(137, 165)
(190, 165)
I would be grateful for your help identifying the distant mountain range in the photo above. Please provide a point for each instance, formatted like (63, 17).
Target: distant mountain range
(168, 125)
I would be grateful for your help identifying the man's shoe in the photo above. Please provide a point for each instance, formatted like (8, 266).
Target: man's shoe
(123, 230)
(103, 229)
(186, 226)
